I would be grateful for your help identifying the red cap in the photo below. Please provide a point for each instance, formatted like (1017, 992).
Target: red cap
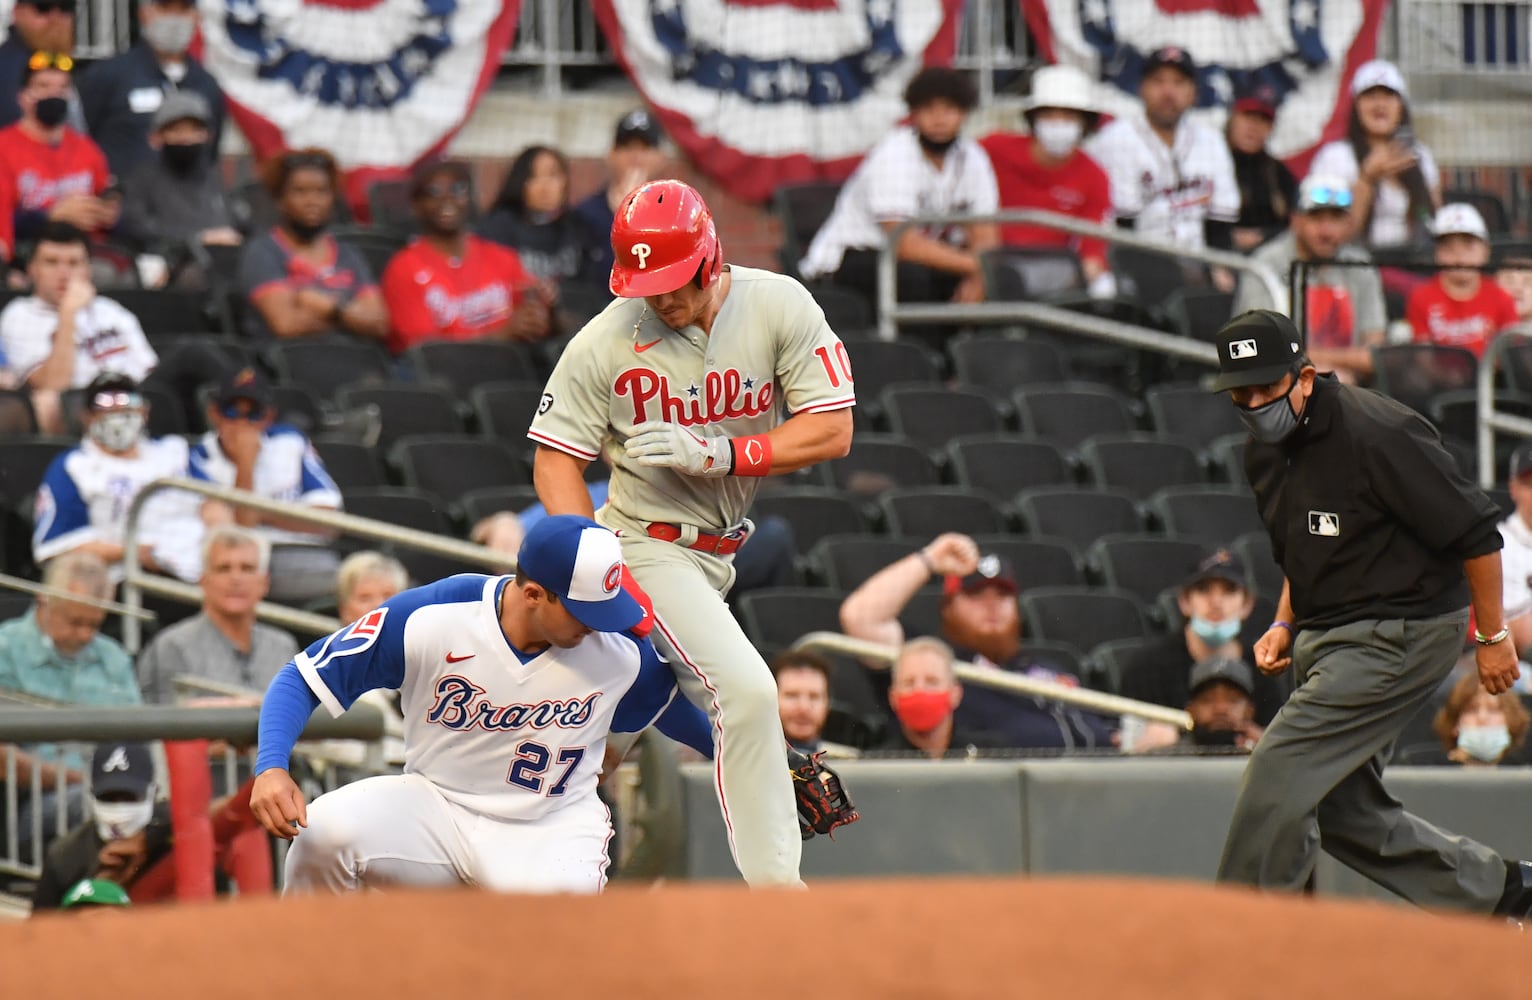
(992, 571)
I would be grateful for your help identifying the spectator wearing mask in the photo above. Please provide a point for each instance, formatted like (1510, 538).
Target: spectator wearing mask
(531, 215)
(365, 580)
(1394, 181)
(49, 171)
(1046, 170)
(1479, 729)
(299, 280)
(122, 96)
(1216, 601)
(36, 26)
(224, 643)
(980, 617)
(247, 450)
(925, 694)
(1344, 314)
(923, 168)
(176, 196)
(1267, 189)
(1516, 557)
(1460, 306)
(634, 159)
(83, 501)
(803, 697)
(1172, 177)
(449, 284)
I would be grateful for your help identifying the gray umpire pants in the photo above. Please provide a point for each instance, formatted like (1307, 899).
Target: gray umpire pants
(1316, 777)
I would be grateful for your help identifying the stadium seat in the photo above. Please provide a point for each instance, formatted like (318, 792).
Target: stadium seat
(1028, 274)
(1199, 313)
(1068, 413)
(16, 416)
(1037, 562)
(932, 415)
(466, 364)
(352, 466)
(479, 504)
(1226, 458)
(1001, 363)
(878, 364)
(405, 409)
(1210, 515)
(504, 410)
(1144, 276)
(1107, 660)
(778, 616)
(324, 364)
(1516, 362)
(23, 460)
(814, 512)
(1081, 616)
(377, 246)
(844, 562)
(297, 407)
(1187, 410)
(1142, 565)
(1415, 373)
(408, 508)
(846, 311)
(1142, 464)
(451, 465)
(1003, 465)
(802, 209)
(879, 462)
(163, 311)
(1254, 549)
(1079, 515)
(925, 512)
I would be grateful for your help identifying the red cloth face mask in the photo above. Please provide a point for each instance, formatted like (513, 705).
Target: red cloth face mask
(922, 711)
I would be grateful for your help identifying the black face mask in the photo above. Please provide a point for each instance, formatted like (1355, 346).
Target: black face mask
(183, 158)
(305, 232)
(936, 148)
(1204, 737)
(51, 111)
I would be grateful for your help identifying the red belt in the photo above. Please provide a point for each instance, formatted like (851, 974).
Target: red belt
(718, 545)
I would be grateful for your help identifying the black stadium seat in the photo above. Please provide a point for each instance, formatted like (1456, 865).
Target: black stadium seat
(1143, 565)
(1068, 413)
(351, 465)
(926, 512)
(802, 209)
(1189, 411)
(1081, 616)
(405, 409)
(409, 508)
(450, 466)
(932, 415)
(1078, 515)
(814, 512)
(995, 362)
(324, 364)
(16, 416)
(845, 562)
(776, 617)
(1037, 562)
(505, 410)
(879, 462)
(1003, 465)
(1140, 463)
(23, 460)
(1211, 515)
(878, 364)
(466, 364)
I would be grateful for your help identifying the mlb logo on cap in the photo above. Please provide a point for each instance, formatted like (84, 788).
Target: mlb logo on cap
(581, 562)
(1243, 349)
(1256, 348)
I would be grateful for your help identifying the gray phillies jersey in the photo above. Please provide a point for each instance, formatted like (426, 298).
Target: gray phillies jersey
(771, 355)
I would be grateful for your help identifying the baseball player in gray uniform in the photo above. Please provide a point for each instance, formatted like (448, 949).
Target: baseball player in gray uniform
(697, 382)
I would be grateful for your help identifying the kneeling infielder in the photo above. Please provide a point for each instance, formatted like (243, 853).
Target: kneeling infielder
(509, 687)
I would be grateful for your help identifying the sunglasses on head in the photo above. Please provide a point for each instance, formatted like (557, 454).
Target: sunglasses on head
(1329, 198)
(51, 60)
(53, 6)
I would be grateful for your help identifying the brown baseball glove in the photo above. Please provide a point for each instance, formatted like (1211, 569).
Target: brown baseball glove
(823, 803)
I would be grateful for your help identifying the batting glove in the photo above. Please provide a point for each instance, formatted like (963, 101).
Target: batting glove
(658, 444)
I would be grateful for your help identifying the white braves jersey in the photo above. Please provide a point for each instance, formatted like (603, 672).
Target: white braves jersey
(286, 469)
(497, 732)
(86, 492)
(1167, 192)
(771, 354)
(895, 182)
(107, 338)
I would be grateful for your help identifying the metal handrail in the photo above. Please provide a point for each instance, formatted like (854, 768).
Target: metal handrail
(238, 725)
(1001, 680)
(135, 580)
(1490, 419)
(891, 314)
(9, 582)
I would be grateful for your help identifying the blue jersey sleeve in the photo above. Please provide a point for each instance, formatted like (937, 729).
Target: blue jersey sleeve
(284, 711)
(62, 518)
(369, 653)
(655, 700)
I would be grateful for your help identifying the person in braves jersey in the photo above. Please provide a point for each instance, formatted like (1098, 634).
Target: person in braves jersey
(509, 687)
(1460, 306)
(699, 381)
(449, 284)
(1172, 178)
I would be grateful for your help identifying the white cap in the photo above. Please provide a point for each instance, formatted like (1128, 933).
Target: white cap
(1061, 87)
(1379, 73)
(1459, 218)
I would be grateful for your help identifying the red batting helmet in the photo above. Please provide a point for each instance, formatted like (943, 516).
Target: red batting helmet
(662, 237)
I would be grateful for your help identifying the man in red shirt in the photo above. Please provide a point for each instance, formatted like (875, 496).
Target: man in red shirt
(449, 284)
(1047, 170)
(48, 171)
(1461, 307)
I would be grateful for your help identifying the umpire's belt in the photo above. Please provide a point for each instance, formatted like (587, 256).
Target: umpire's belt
(725, 544)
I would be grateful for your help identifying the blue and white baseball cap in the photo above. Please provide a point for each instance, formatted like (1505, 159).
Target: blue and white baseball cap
(581, 562)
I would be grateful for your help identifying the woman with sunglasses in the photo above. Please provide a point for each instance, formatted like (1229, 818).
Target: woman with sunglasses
(1395, 185)
(531, 216)
(298, 279)
(36, 26)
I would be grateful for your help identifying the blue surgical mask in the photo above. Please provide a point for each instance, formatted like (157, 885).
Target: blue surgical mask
(1484, 743)
(1215, 633)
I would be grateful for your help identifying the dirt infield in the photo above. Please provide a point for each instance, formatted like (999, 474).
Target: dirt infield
(916, 939)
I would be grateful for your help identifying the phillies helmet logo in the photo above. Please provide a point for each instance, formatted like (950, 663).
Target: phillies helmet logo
(642, 252)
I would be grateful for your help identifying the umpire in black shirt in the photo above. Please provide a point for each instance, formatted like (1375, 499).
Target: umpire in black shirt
(1375, 530)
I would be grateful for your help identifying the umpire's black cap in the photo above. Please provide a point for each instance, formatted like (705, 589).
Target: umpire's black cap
(1256, 348)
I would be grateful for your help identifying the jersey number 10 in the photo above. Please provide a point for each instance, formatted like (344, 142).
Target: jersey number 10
(842, 362)
(531, 762)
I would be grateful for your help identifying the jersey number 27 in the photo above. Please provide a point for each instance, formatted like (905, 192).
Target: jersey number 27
(531, 763)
